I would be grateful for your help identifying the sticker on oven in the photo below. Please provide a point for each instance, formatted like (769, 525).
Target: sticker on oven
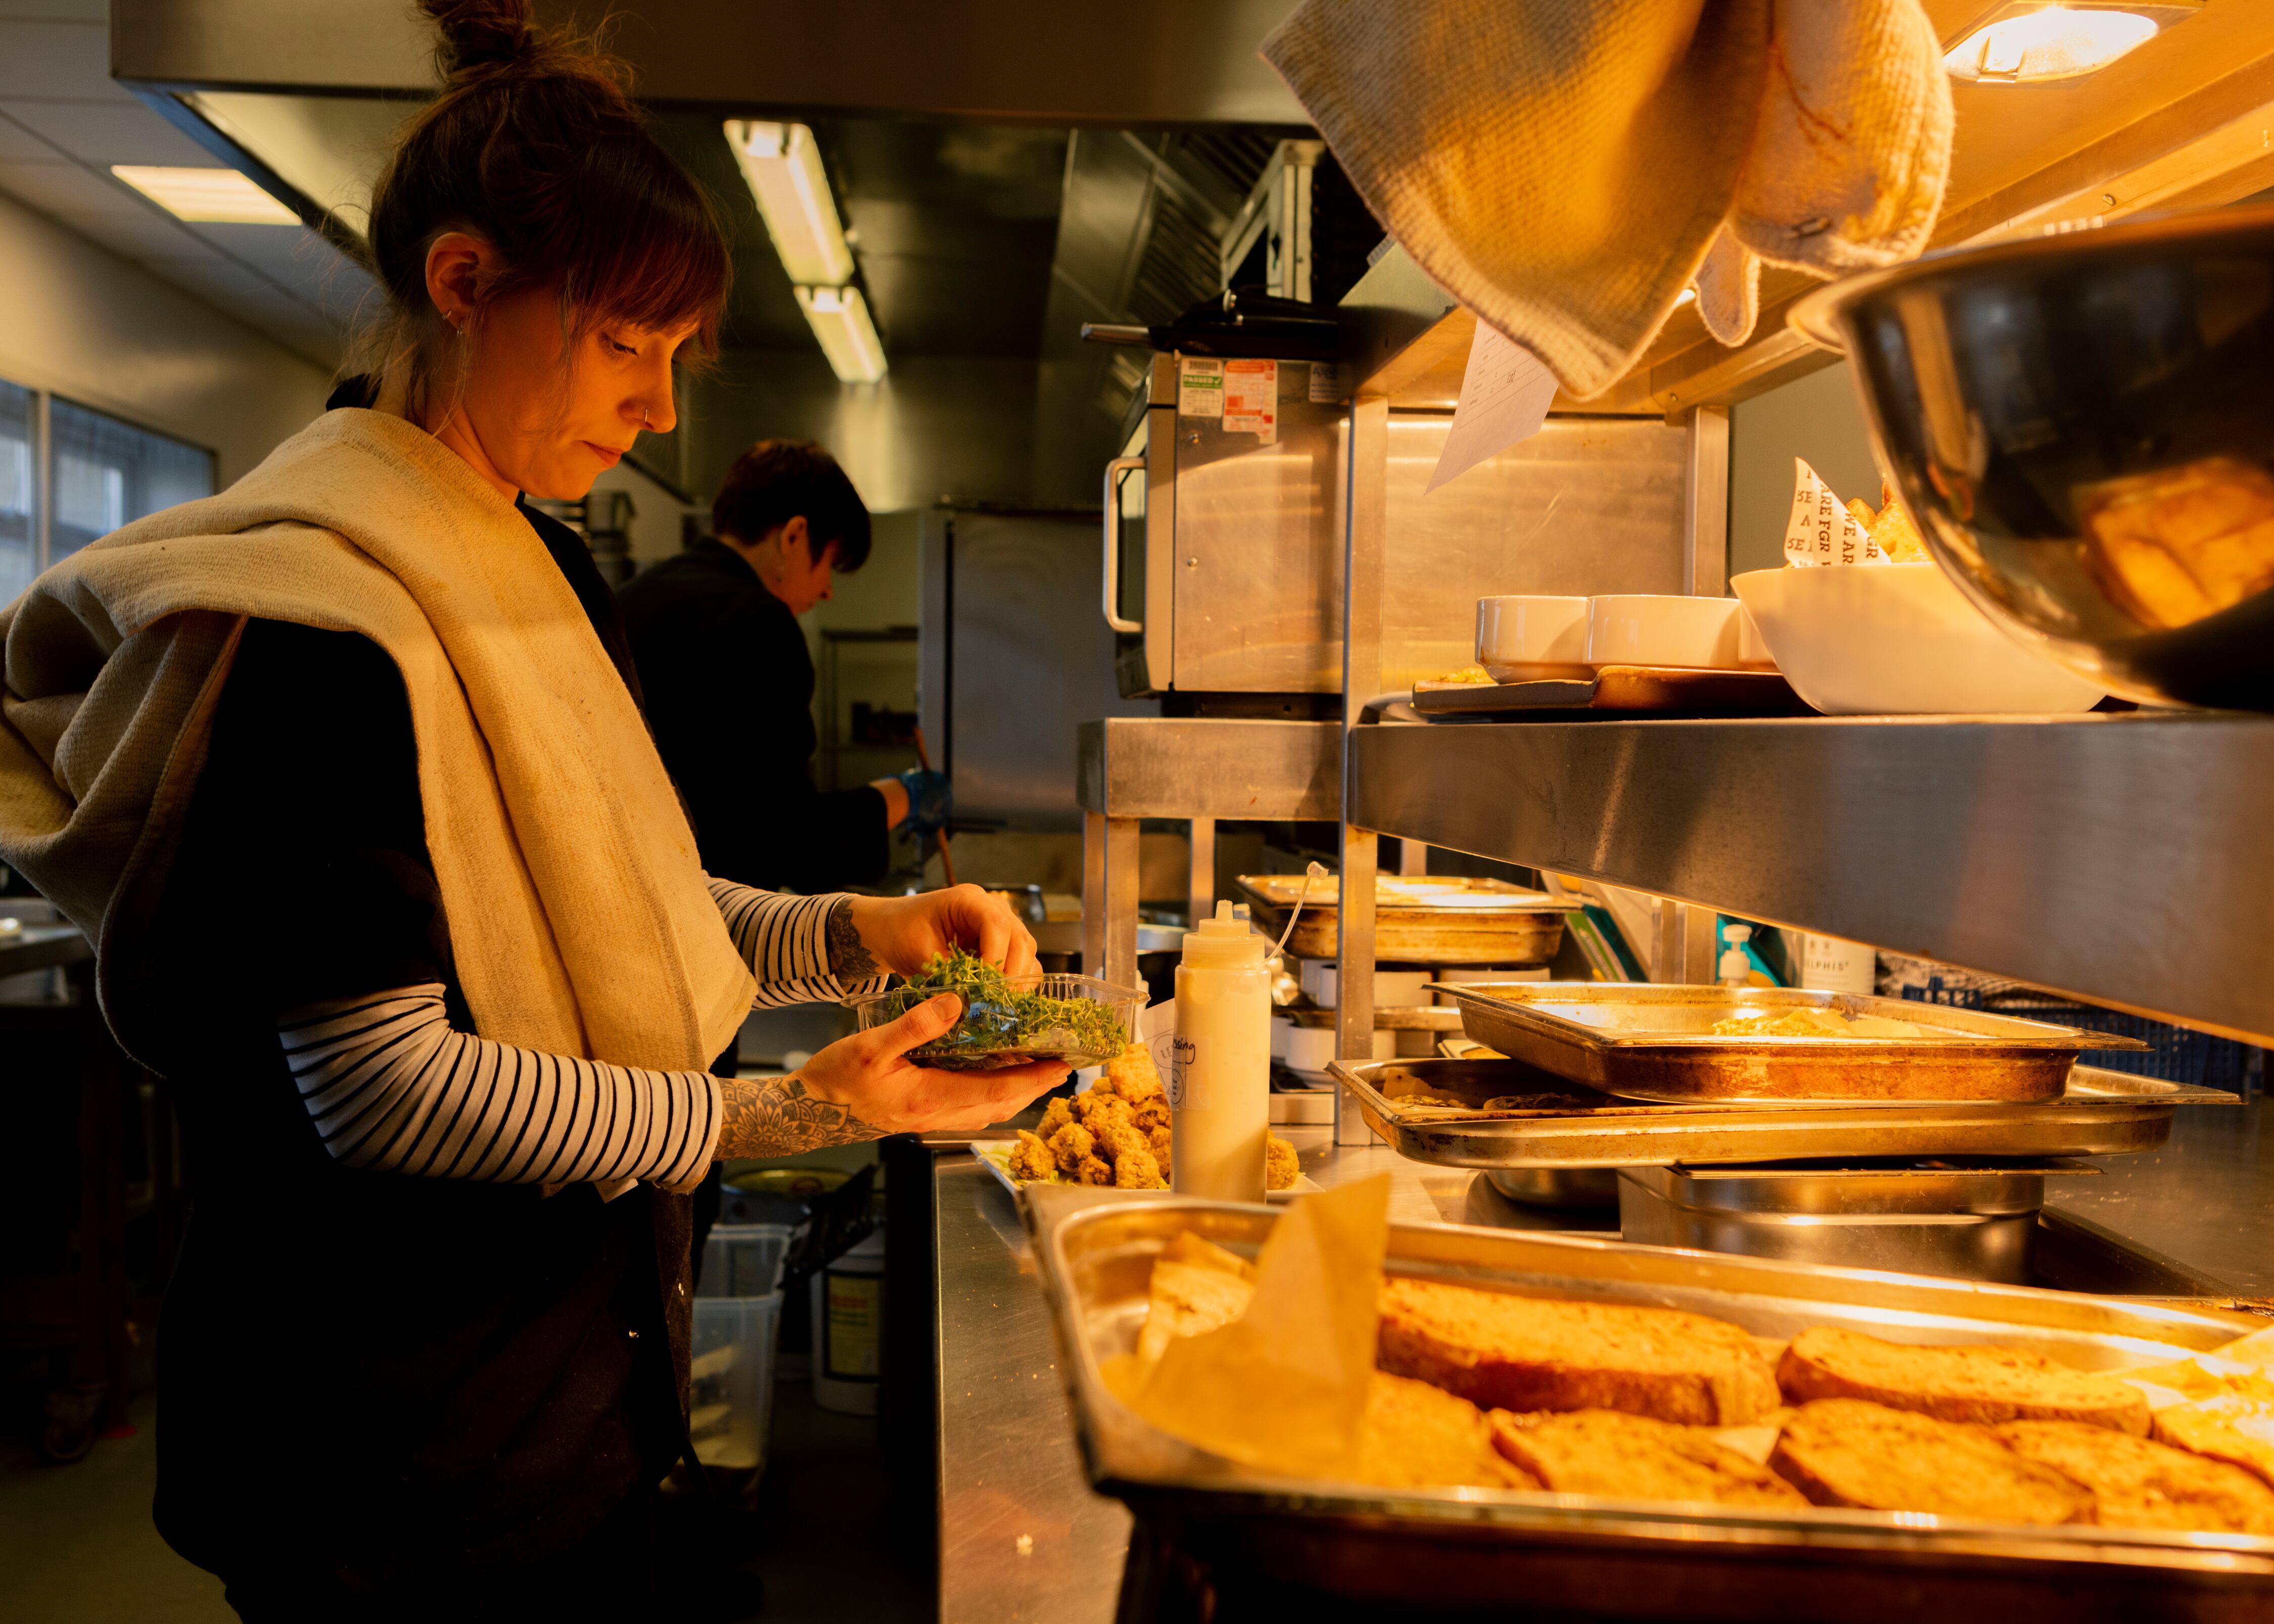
(1200, 388)
(1251, 400)
(1326, 383)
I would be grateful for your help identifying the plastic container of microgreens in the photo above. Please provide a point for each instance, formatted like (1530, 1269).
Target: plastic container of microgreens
(1011, 1020)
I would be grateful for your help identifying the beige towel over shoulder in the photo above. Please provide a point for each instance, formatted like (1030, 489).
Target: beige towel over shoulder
(577, 911)
(1562, 166)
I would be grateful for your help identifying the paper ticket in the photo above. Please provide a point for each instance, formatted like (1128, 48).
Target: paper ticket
(1821, 530)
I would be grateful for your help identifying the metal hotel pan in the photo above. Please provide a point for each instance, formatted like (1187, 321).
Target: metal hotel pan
(1485, 921)
(1651, 1043)
(2101, 1113)
(1478, 1551)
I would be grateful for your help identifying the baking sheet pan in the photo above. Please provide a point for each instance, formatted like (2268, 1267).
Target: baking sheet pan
(2099, 1113)
(1652, 1043)
(1620, 691)
(1632, 1558)
(1437, 921)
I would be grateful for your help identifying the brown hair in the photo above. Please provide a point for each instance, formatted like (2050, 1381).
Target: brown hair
(777, 480)
(536, 147)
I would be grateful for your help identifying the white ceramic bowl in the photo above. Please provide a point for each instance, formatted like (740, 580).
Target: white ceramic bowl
(1529, 638)
(1641, 628)
(1897, 639)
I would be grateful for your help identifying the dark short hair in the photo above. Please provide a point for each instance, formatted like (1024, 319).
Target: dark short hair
(777, 480)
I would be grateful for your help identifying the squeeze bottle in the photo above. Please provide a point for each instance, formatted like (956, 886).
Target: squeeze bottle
(1219, 1079)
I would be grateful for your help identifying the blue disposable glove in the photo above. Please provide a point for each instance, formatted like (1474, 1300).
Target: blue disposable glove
(931, 803)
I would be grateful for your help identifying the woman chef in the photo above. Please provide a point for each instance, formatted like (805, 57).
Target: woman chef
(343, 770)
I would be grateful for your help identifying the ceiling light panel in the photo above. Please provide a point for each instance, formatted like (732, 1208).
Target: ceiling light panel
(783, 167)
(840, 319)
(2034, 44)
(214, 197)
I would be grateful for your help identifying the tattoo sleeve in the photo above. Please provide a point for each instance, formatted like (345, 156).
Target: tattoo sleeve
(849, 959)
(776, 1116)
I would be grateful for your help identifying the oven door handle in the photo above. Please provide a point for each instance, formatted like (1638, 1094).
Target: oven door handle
(1113, 472)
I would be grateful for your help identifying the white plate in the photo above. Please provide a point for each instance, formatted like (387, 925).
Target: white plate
(994, 1156)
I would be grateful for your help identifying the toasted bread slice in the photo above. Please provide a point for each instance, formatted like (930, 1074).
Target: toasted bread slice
(1420, 1437)
(1527, 1353)
(2137, 1484)
(1847, 1452)
(2231, 1427)
(1633, 1457)
(1981, 1383)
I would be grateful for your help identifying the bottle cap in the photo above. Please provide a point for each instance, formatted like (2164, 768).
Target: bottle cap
(1223, 942)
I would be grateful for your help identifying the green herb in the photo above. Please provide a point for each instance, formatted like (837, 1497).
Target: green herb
(1005, 1024)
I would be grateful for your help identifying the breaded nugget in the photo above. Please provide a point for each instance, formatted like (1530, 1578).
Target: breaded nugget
(1280, 1168)
(1134, 1168)
(1056, 1115)
(1031, 1160)
(1133, 1075)
(1091, 1109)
(1159, 1138)
(1093, 1171)
(1071, 1143)
(1151, 1115)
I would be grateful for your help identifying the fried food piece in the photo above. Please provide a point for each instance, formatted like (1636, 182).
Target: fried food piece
(1159, 1138)
(2185, 543)
(1151, 1114)
(1092, 1108)
(2137, 1484)
(1133, 1076)
(1280, 1170)
(1633, 1457)
(1135, 1169)
(1526, 1353)
(1094, 1171)
(2230, 1427)
(1055, 1115)
(1196, 1287)
(1072, 1144)
(1847, 1452)
(1031, 1160)
(1419, 1437)
(1976, 1382)
(1896, 533)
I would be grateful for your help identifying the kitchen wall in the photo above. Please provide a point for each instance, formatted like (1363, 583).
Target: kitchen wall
(1817, 418)
(77, 320)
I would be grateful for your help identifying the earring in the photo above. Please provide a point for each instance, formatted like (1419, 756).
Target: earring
(646, 422)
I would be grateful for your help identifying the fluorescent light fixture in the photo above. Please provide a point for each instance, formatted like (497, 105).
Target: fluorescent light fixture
(839, 318)
(2035, 44)
(218, 197)
(783, 167)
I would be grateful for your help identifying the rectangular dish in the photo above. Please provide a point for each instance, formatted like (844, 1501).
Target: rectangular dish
(1576, 1553)
(1438, 920)
(1658, 1044)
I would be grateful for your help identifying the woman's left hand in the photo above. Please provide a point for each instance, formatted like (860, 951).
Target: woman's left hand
(902, 933)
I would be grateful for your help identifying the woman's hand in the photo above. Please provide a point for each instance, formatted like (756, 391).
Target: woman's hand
(865, 1087)
(902, 933)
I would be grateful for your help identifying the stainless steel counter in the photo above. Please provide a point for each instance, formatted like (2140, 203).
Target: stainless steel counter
(1022, 1537)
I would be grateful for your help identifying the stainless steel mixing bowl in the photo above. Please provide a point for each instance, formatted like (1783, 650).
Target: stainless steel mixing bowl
(2084, 424)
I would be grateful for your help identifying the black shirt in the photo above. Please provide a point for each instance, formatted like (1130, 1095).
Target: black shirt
(729, 690)
(370, 1374)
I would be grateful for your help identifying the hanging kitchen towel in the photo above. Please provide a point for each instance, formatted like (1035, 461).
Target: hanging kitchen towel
(580, 921)
(1562, 166)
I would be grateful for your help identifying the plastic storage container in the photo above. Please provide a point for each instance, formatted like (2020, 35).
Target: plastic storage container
(744, 1259)
(849, 1329)
(730, 1380)
(998, 1031)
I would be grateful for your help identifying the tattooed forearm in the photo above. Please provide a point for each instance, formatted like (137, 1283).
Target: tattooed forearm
(776, 1116)
(849, 959)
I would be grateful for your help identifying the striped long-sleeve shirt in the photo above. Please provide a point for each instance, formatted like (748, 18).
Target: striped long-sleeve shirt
(392, 1087)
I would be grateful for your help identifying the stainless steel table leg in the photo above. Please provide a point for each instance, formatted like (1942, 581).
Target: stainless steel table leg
(1200, 894)
(1366, 523)
(1121, 900)
(1092, 893)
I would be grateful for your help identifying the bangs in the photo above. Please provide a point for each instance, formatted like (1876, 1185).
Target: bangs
(647, 251)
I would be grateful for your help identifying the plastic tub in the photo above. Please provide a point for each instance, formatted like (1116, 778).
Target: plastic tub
(744, 1259)
(997, 1031)
(730, 1380)
(849, 1329)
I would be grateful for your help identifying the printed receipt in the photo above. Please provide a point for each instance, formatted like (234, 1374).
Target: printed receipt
(1504, 400)
(1821, 530)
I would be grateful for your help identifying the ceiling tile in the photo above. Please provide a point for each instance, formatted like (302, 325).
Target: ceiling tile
(107, 132)
(19, 145)
(256, 302)
(53, 57)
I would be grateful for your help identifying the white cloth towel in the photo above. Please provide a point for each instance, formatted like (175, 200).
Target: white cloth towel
(1564, 167)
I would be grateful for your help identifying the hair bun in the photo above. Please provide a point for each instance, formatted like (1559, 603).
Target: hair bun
(481, 33)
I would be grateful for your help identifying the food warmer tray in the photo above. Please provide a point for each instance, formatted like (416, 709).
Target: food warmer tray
(2100, 1112)
(1652, 1043)
(1474, 1549)
(1437, 921)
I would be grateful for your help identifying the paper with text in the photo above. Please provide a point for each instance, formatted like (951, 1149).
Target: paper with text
(1504, 399)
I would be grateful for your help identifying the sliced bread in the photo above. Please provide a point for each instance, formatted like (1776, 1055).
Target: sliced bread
(1979, 1383)
(2231, 1427)
(1847, 1452)
(2137, 1484)
(1632, 1457)
(1526, 1353)
(1420, 1437)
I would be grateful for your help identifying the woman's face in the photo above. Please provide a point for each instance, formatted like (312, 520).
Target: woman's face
(530, 416)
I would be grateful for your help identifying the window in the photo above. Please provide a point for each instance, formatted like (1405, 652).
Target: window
(20, 536)
(105, 473)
